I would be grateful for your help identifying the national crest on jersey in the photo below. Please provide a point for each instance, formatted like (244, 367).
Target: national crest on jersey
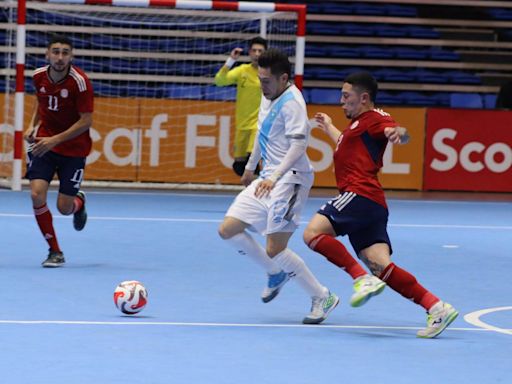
(279, 121)
(359, 152)
(60, 105)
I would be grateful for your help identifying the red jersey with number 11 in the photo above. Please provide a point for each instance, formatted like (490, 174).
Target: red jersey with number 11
(358, 155)
(60, 105)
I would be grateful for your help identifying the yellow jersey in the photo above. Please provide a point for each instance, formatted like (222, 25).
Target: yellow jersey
(248, 93)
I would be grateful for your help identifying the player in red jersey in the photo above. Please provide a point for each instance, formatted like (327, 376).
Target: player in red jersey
(360, 211)
(59, 140)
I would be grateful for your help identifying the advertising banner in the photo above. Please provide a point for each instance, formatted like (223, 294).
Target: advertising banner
(468, 150)
(189, 141)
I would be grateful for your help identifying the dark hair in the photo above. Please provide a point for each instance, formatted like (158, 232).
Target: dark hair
(258, 40)
(364, 82)
(277, 61)
(60, 39)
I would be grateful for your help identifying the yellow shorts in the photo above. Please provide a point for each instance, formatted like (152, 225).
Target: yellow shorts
(244, 142)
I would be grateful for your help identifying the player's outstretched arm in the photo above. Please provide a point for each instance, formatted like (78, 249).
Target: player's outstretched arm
(45, 144)
(226, 76)
(397, 135)
(324, 122)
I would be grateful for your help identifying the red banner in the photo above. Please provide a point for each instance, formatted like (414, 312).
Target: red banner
(468, 150)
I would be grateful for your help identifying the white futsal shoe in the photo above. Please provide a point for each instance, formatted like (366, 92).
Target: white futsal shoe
(364, 288)
(320, 308)
(440, 316)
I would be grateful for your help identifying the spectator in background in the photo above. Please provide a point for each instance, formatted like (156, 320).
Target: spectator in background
(504, 100)
(248, 98)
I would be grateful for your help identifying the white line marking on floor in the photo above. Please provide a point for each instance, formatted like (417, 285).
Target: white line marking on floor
(202, 220)
(228, 325)
(164, 192)
(474, 319)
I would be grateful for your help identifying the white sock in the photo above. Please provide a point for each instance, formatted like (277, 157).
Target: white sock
(290, 262)
(246, 245)
(437, 307)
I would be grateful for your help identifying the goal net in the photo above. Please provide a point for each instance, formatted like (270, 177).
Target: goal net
(158, 119)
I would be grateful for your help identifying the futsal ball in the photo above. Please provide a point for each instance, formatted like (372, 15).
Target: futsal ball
(130, 297)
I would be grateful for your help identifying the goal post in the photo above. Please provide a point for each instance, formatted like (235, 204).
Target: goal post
(159, 120)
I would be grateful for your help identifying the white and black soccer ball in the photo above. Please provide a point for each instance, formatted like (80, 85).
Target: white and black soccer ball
(130, 297)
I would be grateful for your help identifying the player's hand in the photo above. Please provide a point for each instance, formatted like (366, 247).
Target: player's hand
(43, 145)
(396, 135)
(247, 177)
(263, 188)
(235, 53)
(324, 121)
(28, 135)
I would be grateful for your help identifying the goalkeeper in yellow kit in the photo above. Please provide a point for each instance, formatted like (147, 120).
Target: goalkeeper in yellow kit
(248, 97)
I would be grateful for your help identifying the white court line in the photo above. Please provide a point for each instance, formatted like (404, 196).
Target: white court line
(227, 325)
(474, 319)
(201, 220)
(316, 198)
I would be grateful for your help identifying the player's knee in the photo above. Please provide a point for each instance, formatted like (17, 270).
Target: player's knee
(274, 249)
(65, 208)
(309, 236)
(38, 198)
(223, 233)
(226, 231)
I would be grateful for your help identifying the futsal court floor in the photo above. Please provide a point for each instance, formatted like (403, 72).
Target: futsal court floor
(205, 323)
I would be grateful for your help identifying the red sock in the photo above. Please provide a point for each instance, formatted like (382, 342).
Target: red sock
(337, 254)
(78, 203)
(406, 284)
(45, 221)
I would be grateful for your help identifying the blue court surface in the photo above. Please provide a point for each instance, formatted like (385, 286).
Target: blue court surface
(205, 323)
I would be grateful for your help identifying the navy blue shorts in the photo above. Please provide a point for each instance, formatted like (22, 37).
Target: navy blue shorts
(363, 220)
(69, 169)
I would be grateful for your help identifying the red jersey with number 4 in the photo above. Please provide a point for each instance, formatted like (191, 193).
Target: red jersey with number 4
(60, 105)
(358, 155)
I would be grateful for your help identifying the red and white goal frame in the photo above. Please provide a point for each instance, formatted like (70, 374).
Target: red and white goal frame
(238, 6)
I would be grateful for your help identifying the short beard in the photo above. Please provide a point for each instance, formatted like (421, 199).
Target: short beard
(64, 69)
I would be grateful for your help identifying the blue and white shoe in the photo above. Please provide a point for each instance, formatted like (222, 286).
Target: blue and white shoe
(320, 308)
(274, 285)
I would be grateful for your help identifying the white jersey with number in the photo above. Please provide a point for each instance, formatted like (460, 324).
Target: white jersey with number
(279, 121)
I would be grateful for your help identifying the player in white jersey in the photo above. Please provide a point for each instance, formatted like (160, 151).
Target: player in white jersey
(272, 203)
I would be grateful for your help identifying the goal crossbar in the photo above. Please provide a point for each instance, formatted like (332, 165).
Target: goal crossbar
(183, 7)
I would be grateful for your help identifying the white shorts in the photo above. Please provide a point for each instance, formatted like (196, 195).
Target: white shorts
(277, 212)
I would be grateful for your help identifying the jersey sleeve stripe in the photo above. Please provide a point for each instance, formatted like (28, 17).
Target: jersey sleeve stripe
(41, 69)
(80, 81)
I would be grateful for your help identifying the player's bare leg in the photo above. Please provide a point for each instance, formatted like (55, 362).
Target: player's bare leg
(75, 205)
(321, 237)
